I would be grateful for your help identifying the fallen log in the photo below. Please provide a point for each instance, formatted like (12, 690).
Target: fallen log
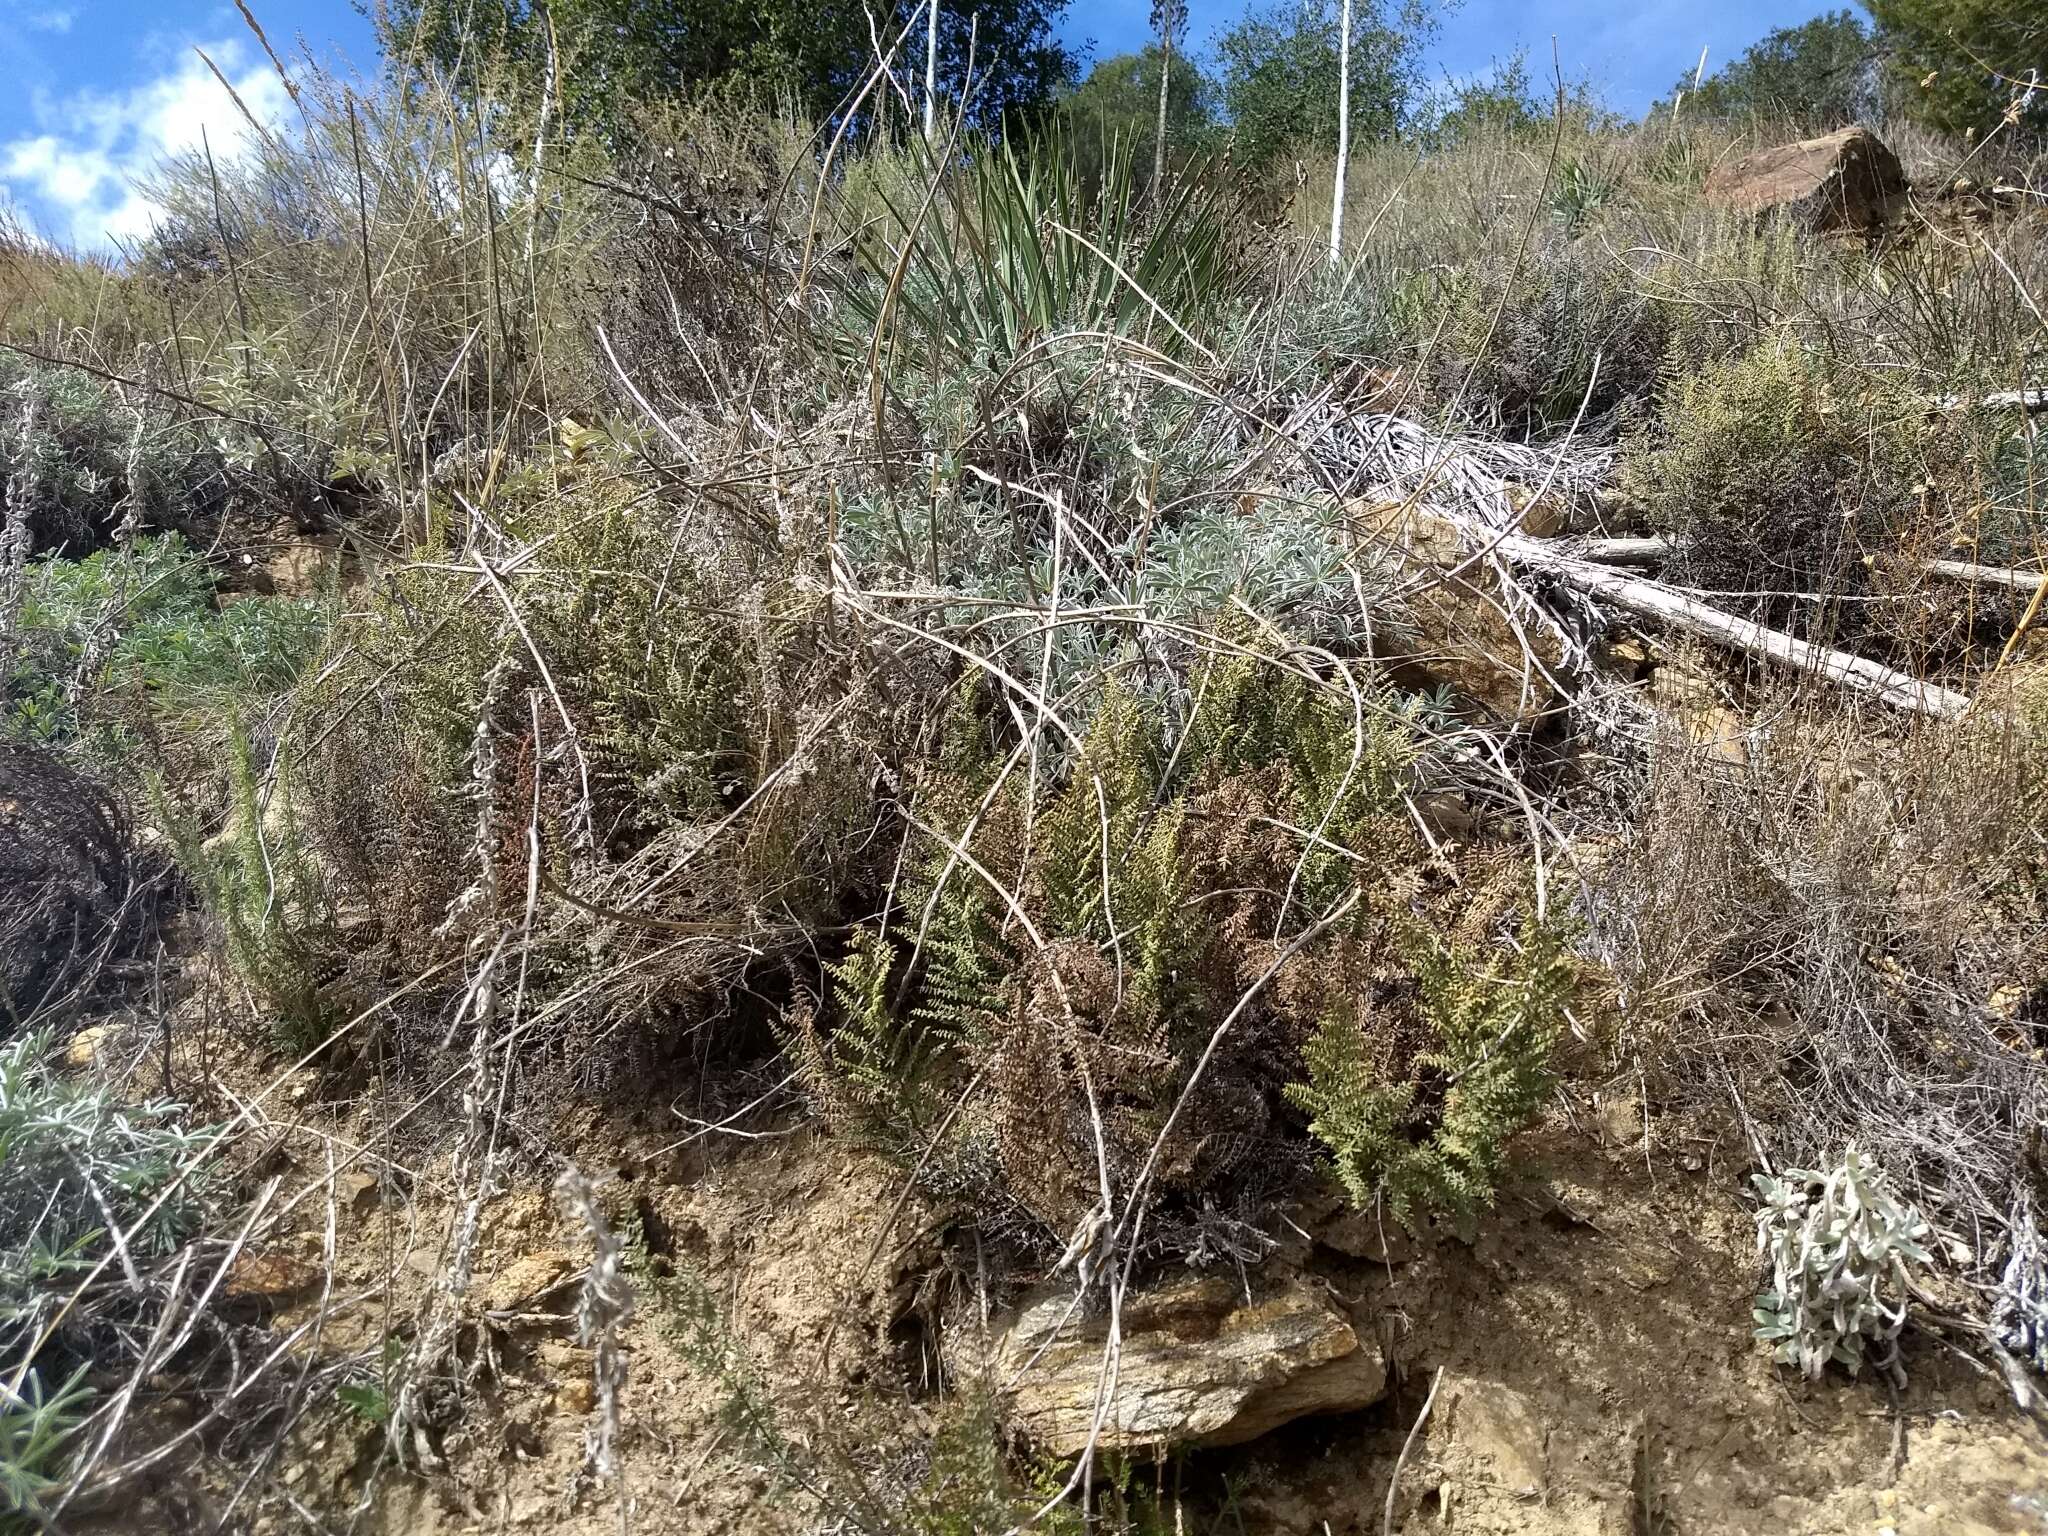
(2027, 400)
(1458, 484)
(1649, 550)
(1987, 575)
(1652, 599)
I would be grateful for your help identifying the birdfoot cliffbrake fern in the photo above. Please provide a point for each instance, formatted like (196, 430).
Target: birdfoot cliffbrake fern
(1034, 1014)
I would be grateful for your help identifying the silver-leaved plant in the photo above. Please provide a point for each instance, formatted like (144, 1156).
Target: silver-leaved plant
(1840, 1245)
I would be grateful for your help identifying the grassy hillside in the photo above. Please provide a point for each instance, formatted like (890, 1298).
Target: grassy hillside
(708, 764)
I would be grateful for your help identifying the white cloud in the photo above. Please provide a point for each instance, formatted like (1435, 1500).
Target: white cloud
(58, 21)
(82, 174)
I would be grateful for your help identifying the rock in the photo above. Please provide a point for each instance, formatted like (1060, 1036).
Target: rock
(563, 1358)
(1845, 180)
(357, 1192)
(260, 1282)
(1463, 638)
(1199, 1366)
(1367, 1235)
(1499, 1432)
(83, 1053)
(524, 1281)
(1722, 735)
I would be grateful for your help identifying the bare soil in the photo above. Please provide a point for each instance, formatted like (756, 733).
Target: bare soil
(1597, 1373)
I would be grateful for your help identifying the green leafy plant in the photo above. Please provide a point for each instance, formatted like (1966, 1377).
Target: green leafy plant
(141, 623)
(1582, 189)
(1436, 1137)
(1842, 1248)
(264, 886)
(73, 1158)
(36, 1427)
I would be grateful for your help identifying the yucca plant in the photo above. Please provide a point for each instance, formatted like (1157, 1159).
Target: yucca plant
(1015, 244)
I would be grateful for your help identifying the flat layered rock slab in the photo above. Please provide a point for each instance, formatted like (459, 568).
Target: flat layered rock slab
(1199, 1366)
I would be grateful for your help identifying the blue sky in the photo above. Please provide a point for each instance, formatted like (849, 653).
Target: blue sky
(96, 91)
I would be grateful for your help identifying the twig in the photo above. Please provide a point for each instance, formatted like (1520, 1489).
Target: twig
(1408, 1446)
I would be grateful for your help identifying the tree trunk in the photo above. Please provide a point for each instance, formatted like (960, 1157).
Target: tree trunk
(931, 68)
(1165, 77)
(1343, 135)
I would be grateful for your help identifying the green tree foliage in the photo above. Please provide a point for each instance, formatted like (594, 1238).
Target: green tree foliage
(600, 54)
(1278, 71)
(1965, 64)
(1500, 103)
(1822, 72)
(1118, 104)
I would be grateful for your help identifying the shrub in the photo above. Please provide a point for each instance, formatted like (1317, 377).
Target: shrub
(1773, 480)
(1020, 246)
(71, 875)
(131, 638)
(1841, 1248)
(36, 1426)
(1571, 332)
(72, 1159)
(1080, 1012)
(263, 885)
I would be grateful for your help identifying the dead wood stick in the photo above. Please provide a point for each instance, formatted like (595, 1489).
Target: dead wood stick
(2028, 400)
(1648, 550)
(1654, 600)
(1987, 575)
(1620, 551)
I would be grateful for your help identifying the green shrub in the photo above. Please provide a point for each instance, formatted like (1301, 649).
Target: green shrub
(1773, 479)
(36, 1426)
(72, 1159)
(95, 635)
(263, 884)
(1020, 245)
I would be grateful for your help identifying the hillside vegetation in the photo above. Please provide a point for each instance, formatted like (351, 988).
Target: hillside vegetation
(654, 774)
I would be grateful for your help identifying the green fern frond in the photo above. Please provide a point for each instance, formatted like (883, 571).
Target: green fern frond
(1496, 1029)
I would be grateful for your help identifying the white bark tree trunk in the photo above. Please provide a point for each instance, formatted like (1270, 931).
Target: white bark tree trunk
(1165, 76)
(931, 69)
(1343, 135)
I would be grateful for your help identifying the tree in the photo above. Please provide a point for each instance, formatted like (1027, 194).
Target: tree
(1281, 74)
(1169, 19)
(811, 53)
(1501, 103)
(1823, 72)
(1343, 134)
(1119, 100)
(1965, 64)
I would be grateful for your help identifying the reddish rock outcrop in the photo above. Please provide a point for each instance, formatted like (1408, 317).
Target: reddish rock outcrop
(1845, 180)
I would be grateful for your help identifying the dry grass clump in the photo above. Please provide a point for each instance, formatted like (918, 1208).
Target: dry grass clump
(622, 728)
(1851, 932)
(77, 893)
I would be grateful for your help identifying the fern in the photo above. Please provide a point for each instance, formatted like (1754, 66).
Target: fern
(963, 974)
(1094, 818)
(1496, 1031)
(873, 1057)
(1355, 1112)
